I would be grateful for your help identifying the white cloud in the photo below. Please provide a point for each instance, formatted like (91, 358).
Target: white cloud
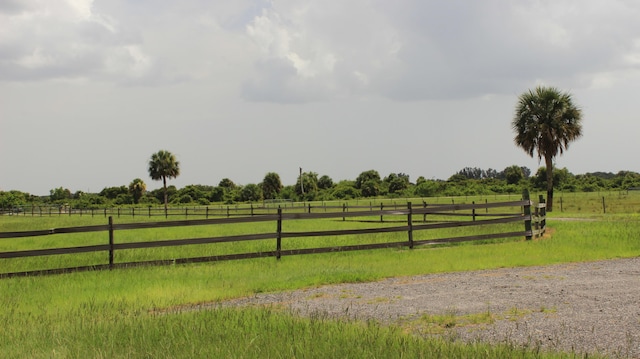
(66, 39)
(415, 50)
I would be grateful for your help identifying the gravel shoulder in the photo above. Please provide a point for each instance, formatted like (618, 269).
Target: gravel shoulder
(586, 307)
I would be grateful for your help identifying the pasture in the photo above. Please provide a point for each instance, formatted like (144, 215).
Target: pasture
(124, 313)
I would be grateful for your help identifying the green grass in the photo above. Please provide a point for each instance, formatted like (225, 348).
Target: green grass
(130, 312)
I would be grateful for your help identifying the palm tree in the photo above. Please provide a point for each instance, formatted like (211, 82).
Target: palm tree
(546, 120)
(163, 165)
(137, 187)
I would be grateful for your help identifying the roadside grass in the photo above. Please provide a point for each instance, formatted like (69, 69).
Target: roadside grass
(113, 330)
(125, 313)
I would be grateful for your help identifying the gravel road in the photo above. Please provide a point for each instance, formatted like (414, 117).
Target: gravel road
(586, 307)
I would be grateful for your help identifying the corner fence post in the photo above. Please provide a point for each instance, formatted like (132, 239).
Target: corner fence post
(110, 242)
(279, 234)
(543, 215)
(410, 224)
(527, 214)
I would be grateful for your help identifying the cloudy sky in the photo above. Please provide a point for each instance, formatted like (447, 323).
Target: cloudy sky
(90, 89)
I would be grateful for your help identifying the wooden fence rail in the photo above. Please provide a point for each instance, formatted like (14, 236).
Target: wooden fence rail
(534, 225)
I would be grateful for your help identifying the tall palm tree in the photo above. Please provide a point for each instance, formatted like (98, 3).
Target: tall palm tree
(546, 120)
(163, 165)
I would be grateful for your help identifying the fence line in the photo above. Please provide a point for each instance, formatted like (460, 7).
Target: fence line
(201, 211)
(534, 225)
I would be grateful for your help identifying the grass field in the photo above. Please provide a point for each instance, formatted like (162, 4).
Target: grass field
(121, 313)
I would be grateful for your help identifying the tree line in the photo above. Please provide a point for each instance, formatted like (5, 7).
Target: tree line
(311, 186)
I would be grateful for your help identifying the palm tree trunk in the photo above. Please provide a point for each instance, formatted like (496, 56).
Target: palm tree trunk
(164, 185)
(549, 162)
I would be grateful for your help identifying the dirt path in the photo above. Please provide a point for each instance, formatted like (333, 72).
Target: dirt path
(587, 307)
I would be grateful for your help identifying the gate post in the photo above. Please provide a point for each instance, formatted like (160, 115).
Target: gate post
(527, 214)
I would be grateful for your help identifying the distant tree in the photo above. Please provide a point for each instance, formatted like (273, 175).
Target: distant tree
(427, 188)
(513, 174)
(370, 175)
(491, 173)
(227, 183)
(113, 192)
(546, 121)
(345, 190)
(626, 180)
(310, 185)
(370, 188)
(325, 182)
(162, 166)
(137, 188)
(216, 194)
(420, 180)
(397, 182)
(251, 193)
(12, 199)
(472, 173)
(124, 198)
(562, 178)
(271, 185)
(193, 193)
(458, 177)
(60, 194)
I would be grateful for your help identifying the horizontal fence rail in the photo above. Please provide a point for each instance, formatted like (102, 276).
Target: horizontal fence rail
(414, 220)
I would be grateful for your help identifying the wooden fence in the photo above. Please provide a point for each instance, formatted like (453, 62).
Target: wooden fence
(212, 211)
(412, 219)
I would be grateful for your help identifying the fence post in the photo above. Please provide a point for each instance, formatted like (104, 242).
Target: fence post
(543, 214)
(279, 234)
(309, 208)
(344, 209)
(424, 216)
(410, 224)
(527, 214)
(560, 204)
(206, 212)
(381, 208)
(604, 208)
(473, 210)
(110, 242)
(536, 222)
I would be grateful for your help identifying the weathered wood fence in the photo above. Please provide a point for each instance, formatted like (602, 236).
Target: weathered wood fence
(413, 220)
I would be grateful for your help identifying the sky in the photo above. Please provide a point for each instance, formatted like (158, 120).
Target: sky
(89, 90)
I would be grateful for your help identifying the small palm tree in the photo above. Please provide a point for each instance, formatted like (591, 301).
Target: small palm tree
(137, 187)
(163, 165)
(546, 121)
